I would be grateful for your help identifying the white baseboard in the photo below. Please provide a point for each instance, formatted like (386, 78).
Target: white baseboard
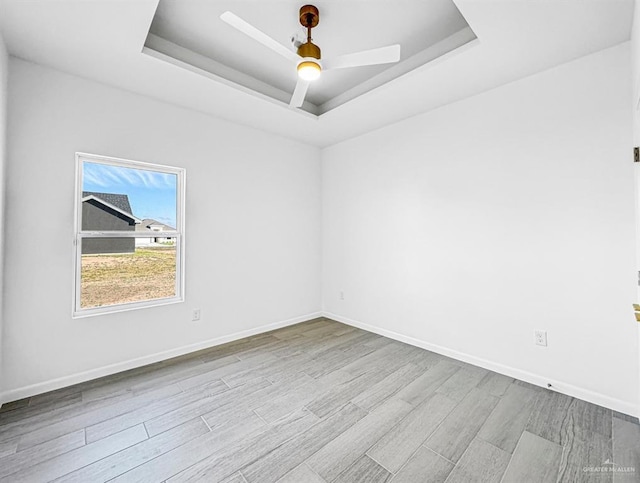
(65, 381)
(536, 379)
(626, 407)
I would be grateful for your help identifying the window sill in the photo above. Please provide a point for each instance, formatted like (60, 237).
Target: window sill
(113, 309)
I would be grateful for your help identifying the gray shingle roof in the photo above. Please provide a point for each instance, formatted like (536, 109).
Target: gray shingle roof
(119, 201)
(147, 222)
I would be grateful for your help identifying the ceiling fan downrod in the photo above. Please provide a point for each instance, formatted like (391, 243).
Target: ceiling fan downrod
(309, 18)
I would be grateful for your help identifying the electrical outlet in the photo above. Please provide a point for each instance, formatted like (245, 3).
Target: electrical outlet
(341, 295)
(541, 337)
(196, 315)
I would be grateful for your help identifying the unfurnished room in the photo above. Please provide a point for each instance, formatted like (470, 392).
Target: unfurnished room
(354, 241)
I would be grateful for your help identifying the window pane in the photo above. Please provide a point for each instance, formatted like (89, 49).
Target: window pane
(141, 266)
(117, 198)
(123, 270)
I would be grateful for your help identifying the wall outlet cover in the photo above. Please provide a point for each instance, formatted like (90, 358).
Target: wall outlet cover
(541, 337)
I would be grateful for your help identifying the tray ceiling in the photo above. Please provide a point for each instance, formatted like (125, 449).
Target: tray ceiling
(102, 40)
(192, 35)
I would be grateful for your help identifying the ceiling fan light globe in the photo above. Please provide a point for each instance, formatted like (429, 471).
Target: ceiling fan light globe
(309, 70)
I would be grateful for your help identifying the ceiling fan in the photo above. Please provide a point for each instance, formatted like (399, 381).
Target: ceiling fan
(307, 58)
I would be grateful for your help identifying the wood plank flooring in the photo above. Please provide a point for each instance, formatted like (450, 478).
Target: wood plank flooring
(317, 402)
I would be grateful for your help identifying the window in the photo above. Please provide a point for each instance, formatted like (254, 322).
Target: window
(129, 241)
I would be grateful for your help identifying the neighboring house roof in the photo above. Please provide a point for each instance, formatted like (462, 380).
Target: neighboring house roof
(147, 223)
(117, 202)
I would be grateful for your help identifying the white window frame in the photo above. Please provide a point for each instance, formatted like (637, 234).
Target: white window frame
(80, 234)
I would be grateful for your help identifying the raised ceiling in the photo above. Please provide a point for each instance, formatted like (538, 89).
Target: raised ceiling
(193, 33)
(103, 40)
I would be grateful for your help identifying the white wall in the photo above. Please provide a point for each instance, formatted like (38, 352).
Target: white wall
(252, 240)
(4, 69)
(635, 105)
(635, 64)
(463, 229)
(467, 228)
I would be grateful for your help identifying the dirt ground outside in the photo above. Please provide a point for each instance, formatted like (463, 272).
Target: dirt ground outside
(148, 273)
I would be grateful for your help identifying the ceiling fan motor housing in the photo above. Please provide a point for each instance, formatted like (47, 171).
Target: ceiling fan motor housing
(309, 49)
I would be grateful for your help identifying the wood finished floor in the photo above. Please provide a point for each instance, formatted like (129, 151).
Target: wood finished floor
(312, 403)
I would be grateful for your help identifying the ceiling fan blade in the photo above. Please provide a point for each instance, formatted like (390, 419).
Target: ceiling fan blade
(298, 94)
(249, 30)
(383, 55)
